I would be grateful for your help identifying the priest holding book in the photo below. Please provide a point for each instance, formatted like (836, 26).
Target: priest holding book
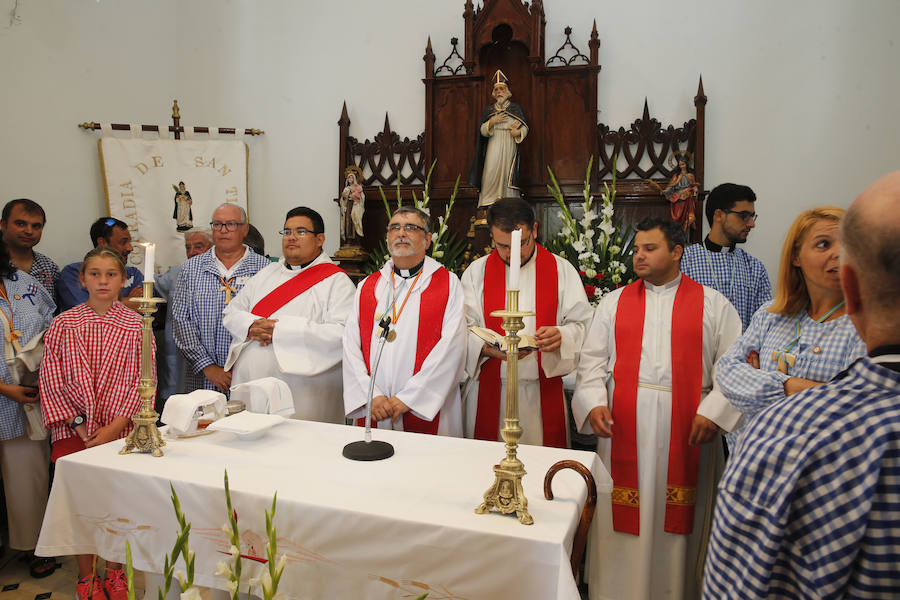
(288, 320)
(563, 316)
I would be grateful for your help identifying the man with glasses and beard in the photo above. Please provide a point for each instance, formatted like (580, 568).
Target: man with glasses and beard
(208, 282)
(288, 321)
(718, 262)
(563, 315)
(417, 383)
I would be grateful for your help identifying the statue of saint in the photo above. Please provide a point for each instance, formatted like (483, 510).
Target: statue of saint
(184, 217)
(682, 192)
(353, 205)
(495, 168)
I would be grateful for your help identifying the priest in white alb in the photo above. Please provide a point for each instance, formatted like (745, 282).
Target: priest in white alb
(563, 315)
(417, 381)
(646, 367)
(288, 320)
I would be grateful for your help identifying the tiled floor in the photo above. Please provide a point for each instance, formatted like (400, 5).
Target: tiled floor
(17, 584)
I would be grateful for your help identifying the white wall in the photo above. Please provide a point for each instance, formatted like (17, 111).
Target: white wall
(802, 94)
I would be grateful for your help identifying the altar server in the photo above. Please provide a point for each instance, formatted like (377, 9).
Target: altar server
(563, 316)
(89, 379)
(717, 262)
(288, 321)
(417, 384)
(649, 357)
(808, 507)
(207, 283)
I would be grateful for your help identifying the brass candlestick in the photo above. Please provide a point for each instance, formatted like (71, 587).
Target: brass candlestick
(145, 436)
(506, 495)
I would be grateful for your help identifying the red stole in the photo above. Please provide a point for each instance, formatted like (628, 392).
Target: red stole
(687, 382)
(553, 410)
(432, 303)
(293, 287)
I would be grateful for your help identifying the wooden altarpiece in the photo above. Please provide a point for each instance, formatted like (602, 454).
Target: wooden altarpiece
(559, 98)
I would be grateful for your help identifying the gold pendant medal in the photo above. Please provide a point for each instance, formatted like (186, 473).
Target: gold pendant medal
(391, 336)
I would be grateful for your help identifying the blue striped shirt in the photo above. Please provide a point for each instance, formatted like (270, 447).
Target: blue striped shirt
(32, 311)
(197, 307)
(738, 276)
(809, 507)
(825, 349)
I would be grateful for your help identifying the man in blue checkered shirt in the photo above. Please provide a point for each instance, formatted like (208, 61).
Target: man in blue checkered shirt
(207, 283)
(718, 263)
(809, 506)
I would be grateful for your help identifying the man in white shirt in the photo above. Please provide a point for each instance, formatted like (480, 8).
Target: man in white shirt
(645, 366)
(563, 315)
(417, 383)
(288, 321)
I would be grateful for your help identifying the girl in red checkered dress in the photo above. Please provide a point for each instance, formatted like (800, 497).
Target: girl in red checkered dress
(89, 377)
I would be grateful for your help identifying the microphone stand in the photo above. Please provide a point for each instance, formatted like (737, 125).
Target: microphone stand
(369, 449)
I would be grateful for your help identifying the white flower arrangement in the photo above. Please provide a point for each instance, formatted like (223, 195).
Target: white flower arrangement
(598, 250)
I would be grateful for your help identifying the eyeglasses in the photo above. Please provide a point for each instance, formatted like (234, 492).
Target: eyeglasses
(408, 227)
(227, 225)
(745, 215)
(524, 243)
(298, 231)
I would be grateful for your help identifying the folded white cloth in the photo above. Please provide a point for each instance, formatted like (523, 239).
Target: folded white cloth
(265, 395)
(179, 411)
(246, 423)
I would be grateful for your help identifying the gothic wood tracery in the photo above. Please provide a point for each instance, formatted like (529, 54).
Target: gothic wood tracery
(559, 97)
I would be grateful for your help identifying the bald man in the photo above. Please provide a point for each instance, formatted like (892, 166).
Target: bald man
(809, 507)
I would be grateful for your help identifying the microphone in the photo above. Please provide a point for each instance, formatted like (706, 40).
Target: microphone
(367, 449)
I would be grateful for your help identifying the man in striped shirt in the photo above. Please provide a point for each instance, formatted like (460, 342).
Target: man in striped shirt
(718, 263)
(810, 505)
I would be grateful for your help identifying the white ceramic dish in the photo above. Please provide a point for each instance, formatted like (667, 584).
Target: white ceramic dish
(246, 425)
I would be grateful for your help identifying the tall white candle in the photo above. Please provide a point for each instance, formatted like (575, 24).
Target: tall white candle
(515, 259)
(149, 260)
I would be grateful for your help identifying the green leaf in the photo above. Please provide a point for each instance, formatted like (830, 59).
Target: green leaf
(387, 209)
(129, 570)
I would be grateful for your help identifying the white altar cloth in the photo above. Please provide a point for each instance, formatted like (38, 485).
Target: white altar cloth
(383, 530)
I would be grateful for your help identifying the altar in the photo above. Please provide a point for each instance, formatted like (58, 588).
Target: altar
(384, 530)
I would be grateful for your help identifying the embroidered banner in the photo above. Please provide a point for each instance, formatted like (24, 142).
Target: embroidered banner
(162, 188)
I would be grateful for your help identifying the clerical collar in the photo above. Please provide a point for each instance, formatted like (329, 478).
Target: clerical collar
(299, 267)
(887, 356)
(714, 247)
(666, 286)
(407, 273)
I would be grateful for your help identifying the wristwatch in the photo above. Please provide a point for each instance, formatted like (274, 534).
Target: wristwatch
(79, 420)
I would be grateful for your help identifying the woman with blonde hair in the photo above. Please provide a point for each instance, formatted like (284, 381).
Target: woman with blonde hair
(801, 339)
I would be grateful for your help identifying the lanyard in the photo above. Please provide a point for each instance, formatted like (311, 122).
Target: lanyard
(395, 314)
(12, 336)
(715, 273)
(784, 351)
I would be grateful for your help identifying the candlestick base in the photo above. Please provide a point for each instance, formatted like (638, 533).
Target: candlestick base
(506, 495)
(145, 436)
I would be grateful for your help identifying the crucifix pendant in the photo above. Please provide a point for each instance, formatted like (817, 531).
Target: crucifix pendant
(785, 360)
(227, 289)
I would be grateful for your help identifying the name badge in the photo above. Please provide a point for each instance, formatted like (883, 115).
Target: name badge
(241, 280)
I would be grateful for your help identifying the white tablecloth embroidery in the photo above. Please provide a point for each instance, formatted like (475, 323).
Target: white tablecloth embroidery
(350, 529)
